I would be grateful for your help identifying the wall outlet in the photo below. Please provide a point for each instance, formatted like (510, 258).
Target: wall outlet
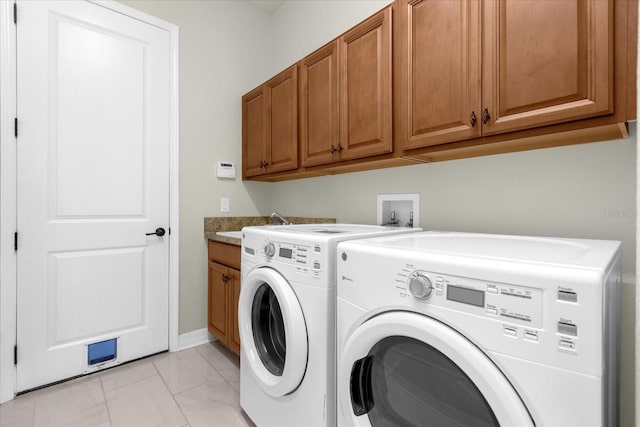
(224, 204)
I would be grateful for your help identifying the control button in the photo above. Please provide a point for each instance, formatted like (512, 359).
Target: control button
(316, 248)
(420, 286)
(511, 332)
(492, 311)
(492, 289)
(269, 249)
(567, 345)
(565, 328)
(439, 279)
(567, 296)
(316, 265)
(531, 336)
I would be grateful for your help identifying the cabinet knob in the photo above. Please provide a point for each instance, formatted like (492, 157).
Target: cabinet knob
(485, 116)
(333, 149)
(340, 147)
(225, 278)
(473, 119)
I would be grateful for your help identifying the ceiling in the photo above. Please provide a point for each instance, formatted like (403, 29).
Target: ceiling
(268, 6)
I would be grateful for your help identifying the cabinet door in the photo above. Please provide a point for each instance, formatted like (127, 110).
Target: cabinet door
(218, 302)
(437, 75)
(365, 88)
(254, 132)
(234, 297)
(319, 106)
(282, 135)
(546, 62)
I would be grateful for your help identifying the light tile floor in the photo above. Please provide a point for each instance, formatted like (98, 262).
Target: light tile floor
(194, 387)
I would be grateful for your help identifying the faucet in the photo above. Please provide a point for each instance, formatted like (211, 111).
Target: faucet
(278, 219)
(392, 219)
(410, 223)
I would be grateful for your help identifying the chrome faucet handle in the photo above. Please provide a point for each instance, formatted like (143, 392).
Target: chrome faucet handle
(279, 219)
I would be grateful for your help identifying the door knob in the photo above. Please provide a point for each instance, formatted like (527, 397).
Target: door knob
(159, 232)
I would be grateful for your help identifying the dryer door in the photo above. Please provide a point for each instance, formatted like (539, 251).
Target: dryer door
(272, 331)
(406, 369)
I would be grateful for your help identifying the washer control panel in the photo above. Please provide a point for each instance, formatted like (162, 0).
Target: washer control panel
(296, 254)
(501, 301)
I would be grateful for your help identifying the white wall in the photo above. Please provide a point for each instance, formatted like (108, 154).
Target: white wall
(300, 27)
(584, 191)
(225, 51)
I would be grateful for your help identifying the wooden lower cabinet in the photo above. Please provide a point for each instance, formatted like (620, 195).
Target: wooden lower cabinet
(224, 293)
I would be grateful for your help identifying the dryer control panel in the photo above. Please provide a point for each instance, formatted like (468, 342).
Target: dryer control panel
(500, 301)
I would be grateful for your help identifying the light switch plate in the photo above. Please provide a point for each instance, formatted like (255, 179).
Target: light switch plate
(224, 204)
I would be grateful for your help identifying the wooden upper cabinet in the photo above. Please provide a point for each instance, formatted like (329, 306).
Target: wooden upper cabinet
(254, 135)
(365, 88)
(345, 101)
(546, 62)
(282, 139)
(466, 69)
(319, 106)
(437, 72)
(270, 126)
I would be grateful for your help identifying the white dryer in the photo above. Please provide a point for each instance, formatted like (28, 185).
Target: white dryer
(286, 318)
(458, 329)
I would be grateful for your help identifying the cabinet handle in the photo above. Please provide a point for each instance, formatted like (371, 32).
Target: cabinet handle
(333, 149)
(485, 116)
(225, 278)
(266, 164)
(473, 119)
(261, 164)
(340, 147)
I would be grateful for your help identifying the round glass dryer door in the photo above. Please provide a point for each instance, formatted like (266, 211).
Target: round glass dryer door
(272, 331)
(403, 369)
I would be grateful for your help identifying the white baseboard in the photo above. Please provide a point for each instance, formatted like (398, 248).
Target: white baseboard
(194, 338)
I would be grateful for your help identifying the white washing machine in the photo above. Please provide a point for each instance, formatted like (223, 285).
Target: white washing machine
(458, 329)
(286, 317)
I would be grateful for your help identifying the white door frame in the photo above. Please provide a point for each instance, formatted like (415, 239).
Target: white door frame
(8, 193)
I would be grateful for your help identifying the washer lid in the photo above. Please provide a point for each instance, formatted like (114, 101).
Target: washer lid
(537, 249)
(328, 230)
(273, 331)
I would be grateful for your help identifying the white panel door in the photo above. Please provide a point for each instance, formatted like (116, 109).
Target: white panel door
(93, 180)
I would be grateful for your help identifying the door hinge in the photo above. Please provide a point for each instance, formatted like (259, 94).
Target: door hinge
(169, 230)
(15, 241)
(15, 354)
(15, 127)
(15, 13)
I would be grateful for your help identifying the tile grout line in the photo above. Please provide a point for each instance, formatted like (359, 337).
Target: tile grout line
(106, 403)
(218, 372)
(173, 396)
